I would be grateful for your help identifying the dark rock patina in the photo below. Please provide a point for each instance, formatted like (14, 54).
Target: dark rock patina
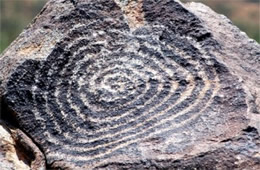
(138, 84)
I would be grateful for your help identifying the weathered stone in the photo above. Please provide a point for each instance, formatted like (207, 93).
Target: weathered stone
(137, 84)
(17, 151)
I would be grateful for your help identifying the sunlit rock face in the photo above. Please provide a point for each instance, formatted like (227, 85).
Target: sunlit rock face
(135, 84)
(17, 151)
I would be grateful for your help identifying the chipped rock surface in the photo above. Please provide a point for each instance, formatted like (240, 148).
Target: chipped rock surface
(133, 84)
(17, 151)
(8, 156)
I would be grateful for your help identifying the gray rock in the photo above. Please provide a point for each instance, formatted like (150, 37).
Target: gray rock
(137, 84)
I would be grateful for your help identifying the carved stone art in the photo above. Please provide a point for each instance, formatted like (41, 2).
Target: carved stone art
(137, 84)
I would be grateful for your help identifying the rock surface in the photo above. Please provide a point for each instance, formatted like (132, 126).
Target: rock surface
(8, 157)
(134, 84)
(17, 151)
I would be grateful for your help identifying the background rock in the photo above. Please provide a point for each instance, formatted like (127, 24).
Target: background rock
(8, 156)
(17, 151)
(134, 84)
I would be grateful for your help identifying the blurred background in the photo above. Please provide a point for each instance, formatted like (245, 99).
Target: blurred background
(15, 15)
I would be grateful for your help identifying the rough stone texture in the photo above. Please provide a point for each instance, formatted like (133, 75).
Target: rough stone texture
(8, 157)
(241, 54)
(137, 84)
(17, 151)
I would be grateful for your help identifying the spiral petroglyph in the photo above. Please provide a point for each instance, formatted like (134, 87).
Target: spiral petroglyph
(112, 83)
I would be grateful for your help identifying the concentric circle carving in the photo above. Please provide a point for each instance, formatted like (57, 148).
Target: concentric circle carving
(101, 91)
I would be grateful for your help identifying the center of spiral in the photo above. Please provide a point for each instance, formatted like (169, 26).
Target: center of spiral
(115, 87)
(112, 88)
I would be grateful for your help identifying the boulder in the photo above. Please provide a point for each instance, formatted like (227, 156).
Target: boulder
(134, 84)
